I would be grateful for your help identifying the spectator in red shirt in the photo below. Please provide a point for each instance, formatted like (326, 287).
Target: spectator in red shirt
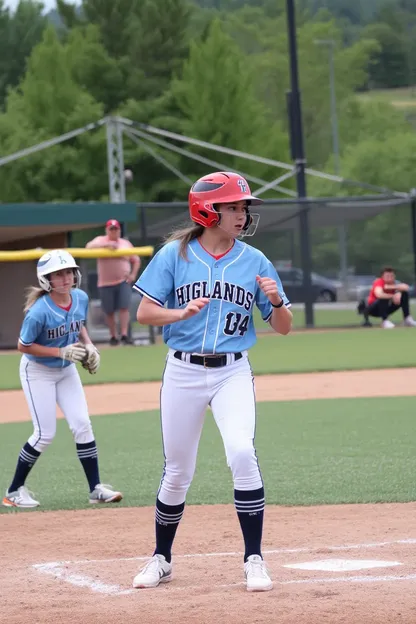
(386, 297)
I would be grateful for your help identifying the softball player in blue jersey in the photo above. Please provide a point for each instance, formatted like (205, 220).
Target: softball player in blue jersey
(202, 287)
(54, 323)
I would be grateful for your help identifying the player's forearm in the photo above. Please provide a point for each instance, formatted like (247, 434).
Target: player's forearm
(84, 337)
(281, 320)
(38, 350)
(150, 313)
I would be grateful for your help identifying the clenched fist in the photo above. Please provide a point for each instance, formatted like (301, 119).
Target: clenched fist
(269, 287)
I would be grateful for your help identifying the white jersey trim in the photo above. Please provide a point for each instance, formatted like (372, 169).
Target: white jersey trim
(54, 311)
(210, 290)
(145, 294)
(222, 284)
(25, 344)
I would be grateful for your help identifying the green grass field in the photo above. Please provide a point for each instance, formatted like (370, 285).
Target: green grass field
(301, 352)
(310, 452)
(323, 318)
(403, 98)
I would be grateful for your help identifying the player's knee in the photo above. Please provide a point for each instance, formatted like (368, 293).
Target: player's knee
(82, 432)
(40, 440)
(177, 481)
(243, 463)
(241, 455)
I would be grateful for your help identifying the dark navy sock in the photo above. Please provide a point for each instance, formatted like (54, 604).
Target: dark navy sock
(88, 456)
(25, 463)
(167, 521)
(250, 511)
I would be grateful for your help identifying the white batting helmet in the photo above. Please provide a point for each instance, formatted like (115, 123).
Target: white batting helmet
(56, 260)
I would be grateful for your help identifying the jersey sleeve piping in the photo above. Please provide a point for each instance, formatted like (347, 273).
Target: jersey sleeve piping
(146, 294)
(25, 344)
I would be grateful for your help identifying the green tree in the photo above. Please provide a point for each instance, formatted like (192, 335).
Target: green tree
(92, 67)
(272, 71)
(388, 67)
(19, 33)
(48, 102)
(218, 103)
(159, 45)
(147, 39)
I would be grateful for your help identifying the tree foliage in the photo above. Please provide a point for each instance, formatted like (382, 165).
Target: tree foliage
(215, 70)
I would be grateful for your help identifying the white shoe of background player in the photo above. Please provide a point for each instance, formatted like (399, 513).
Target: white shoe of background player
(409, 321)
(21, 498)
(156, 571)
(105, 494)
(388, 324)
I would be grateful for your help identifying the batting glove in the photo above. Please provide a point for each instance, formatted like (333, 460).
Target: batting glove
(73, 353)
(92, 360)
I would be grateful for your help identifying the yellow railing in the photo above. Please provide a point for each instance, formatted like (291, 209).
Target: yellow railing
(78, 252)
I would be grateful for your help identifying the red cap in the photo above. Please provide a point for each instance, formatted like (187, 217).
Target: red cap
(113, 223)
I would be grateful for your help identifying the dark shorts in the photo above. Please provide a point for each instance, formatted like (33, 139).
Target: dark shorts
(115, 298)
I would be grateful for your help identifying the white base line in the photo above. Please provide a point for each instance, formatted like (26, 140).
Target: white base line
(80, 580)
(57, 570)
(278, 551)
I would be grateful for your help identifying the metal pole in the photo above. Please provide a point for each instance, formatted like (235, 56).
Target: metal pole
(342, 229)
(334, 118)
(300, 161)
(413, 213)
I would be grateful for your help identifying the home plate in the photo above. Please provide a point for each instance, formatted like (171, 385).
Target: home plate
(343, 565)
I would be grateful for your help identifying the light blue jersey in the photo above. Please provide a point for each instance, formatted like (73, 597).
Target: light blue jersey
(49, 325)
(225, 325)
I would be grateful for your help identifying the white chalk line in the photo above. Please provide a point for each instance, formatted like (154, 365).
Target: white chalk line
(58, 571)
(80, 580)
(277, 551)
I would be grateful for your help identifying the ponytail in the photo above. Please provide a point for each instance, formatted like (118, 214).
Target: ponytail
(33, 294)
(185, 236)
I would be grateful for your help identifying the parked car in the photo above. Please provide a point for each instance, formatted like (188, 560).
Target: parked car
(323, 289)
(358, 286)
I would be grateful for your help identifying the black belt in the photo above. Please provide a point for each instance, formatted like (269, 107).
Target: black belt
(208, 361)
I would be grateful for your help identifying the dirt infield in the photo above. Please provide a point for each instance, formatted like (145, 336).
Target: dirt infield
(78, 567)
(356, 561)
(122, 398)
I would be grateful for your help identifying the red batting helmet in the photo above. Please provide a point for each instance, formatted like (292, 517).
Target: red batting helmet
(221, 187)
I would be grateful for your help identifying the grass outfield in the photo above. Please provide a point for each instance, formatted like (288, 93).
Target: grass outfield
(323, 317)
(295, 353)
(310, 452)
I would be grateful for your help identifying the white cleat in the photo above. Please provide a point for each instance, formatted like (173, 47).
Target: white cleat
(409, 321)
(388, 324)
(256, 573)
(21, 498)
(105, 494)
(156, 571)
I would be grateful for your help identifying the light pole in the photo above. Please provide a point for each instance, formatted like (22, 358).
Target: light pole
(342, 229)
(296, 130)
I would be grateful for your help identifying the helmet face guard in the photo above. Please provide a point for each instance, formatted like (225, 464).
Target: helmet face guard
(56, 260)
(221, 188)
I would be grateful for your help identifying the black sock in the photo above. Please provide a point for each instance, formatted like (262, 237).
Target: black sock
(167, 521)
(25, 463)
(250, 511)
(88, 456)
